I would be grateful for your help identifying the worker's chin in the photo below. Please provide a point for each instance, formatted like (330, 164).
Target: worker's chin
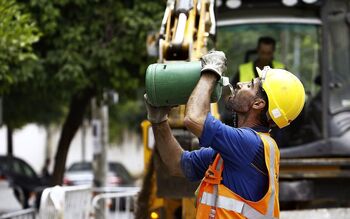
(233, 105)
(266, 62)
(229, 103)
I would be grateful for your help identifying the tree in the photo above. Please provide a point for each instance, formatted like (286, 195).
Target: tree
(17, 34)
(88, 47)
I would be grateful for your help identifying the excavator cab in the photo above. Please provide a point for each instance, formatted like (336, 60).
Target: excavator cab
(307, 47)
(313, 42)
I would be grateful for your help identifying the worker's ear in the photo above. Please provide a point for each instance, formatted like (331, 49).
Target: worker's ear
(259, 103)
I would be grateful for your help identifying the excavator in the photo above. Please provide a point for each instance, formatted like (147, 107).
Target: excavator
(313, 41)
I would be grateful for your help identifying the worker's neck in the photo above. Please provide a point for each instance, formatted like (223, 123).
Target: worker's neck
(248, 120)
(262, 64)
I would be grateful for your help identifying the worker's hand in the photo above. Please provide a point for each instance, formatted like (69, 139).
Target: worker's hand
(215, 62)
(156, 115)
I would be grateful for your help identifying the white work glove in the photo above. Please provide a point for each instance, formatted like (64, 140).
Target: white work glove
(156, 115)
(215, 62)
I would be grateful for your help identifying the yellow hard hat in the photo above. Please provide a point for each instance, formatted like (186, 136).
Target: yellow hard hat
(285, 93)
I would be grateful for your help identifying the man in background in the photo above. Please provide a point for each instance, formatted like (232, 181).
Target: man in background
(265, 51)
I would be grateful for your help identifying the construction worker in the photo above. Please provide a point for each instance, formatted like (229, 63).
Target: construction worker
(265, 51)
(238, 166)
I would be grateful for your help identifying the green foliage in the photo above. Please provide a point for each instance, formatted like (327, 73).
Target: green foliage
(21, 107)
(84, 44)
(97, 44)
(18, 32)
(125, 116)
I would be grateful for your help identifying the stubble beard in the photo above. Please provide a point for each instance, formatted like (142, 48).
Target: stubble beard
(235, 106)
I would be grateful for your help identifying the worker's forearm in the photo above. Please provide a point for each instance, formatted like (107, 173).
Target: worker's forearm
(169, 149)
(198, 104)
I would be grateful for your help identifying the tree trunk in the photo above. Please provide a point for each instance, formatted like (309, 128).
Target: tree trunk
(9, 141)
(77, 108)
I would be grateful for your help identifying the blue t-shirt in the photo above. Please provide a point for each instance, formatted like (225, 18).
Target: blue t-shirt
(242, 150)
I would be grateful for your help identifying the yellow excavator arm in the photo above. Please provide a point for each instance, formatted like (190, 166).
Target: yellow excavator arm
(185, 29)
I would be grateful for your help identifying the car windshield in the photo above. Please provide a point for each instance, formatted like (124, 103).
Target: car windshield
(4, 164)
(17, 166)
(86, 166)
(120, 171)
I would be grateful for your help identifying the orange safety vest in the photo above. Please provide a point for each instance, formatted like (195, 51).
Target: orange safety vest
(216, 201)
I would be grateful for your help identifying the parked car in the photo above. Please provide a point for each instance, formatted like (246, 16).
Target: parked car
(21, 177)
(8, 201)
(81, 173)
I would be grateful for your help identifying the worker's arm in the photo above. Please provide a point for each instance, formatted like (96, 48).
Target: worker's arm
(169, 149)
(198, 105)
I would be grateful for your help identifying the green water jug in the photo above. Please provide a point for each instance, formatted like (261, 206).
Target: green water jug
(170, 84)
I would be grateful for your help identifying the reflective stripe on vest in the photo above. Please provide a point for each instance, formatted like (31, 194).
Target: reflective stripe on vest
(233, 205)
(216, 197)
(246, 70)
(217, 201)
(271, 175)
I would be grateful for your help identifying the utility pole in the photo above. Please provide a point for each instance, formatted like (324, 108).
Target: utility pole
(100, 141)
(100, 120)
(83, 140)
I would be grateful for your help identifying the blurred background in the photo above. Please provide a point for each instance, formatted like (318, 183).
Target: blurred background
(72, 80)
